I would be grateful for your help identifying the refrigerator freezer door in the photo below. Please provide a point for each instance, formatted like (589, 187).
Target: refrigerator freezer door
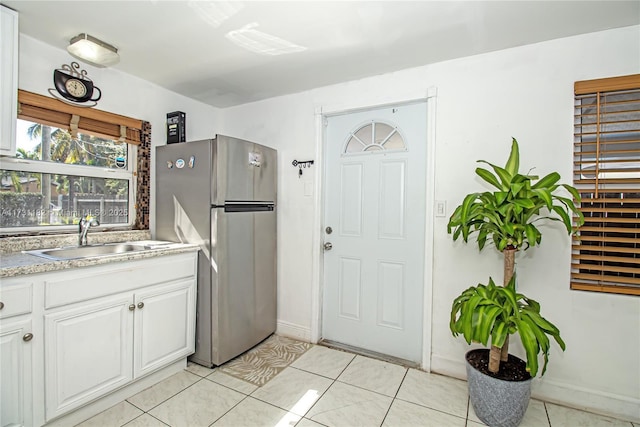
(244, 281)
(244, 171)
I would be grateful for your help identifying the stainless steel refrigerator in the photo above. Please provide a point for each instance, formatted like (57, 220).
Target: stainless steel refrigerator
(220, 193)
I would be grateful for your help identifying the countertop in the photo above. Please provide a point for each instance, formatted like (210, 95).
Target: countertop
(16, 263)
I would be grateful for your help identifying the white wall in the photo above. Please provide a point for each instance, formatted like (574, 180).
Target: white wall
(482, 101)
(121, 94)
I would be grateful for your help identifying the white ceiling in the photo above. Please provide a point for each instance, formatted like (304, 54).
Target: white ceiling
(184, 45)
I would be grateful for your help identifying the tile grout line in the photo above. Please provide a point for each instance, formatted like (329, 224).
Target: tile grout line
(395, 396)
(168, 398)
(230, 409)
(333, 381)
(546, 411)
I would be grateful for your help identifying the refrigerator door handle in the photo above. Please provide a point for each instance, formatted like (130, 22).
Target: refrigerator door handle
(248, 207)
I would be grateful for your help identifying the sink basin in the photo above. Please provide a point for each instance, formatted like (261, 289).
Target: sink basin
(78, 252)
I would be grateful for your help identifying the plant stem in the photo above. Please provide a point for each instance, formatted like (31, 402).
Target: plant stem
(494, 359)
(509, 268)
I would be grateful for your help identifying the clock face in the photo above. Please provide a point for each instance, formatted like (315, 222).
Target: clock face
(75, 88)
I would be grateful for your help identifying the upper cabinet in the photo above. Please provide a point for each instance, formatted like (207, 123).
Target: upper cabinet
(8, 80)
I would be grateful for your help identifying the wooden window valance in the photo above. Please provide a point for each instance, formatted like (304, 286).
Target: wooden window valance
(52, 112)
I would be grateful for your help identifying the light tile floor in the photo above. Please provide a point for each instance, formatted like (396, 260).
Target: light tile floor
(324, 387)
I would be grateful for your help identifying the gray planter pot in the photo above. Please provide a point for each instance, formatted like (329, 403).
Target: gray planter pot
(497, 403)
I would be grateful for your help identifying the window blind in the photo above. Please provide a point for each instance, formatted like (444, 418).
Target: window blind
(49, 111)
(606, 253)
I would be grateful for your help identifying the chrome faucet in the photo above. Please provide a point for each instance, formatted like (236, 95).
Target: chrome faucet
(83, 227)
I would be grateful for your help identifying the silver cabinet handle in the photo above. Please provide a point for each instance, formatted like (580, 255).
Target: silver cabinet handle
(132, 307)
(140, 304)
(1, 305)
(328, 246)
(27, 337)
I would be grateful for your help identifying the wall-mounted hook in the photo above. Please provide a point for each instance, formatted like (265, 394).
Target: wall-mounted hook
(302, 164)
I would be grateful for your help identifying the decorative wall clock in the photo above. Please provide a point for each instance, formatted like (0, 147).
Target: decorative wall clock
(72, 86)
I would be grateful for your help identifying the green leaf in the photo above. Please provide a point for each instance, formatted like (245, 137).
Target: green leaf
(482, 238)
(500, 196)
(544, 195)
(505, 177)
(513, 163)
(524, 203)
(532, 234)
(499, 334)
(564, 216)
(466, 207)
(487, 322)
(573, 191)
(489, 177)
(541, 322)
(547, 181)
(516, 187)
(530, 344)
(467, 317)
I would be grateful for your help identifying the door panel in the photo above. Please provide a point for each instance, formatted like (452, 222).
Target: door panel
(351, 202)
(350, 288)
(87, 353)
(375, 202)
(159, 338)
(15, 374)
(392, 200)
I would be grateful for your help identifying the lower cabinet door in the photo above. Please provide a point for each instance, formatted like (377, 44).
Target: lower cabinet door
(15, 373)
(88, 352)
(165, 325)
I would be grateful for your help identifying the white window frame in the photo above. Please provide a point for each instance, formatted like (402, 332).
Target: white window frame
(39, 166)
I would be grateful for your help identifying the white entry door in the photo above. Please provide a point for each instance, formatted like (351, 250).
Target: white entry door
(374, 230)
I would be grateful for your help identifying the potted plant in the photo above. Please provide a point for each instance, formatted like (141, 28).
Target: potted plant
(499, 383)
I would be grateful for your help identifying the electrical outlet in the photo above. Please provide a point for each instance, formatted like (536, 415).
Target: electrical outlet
(441, 208)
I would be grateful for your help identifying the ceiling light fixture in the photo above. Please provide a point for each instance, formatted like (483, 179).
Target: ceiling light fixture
(93, 51)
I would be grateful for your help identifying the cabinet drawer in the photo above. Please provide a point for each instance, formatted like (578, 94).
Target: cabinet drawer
(15, 299)
(94, 282)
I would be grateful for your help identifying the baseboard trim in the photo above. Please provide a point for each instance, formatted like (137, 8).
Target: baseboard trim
(94, 408)
(292, 330)
(608, 404)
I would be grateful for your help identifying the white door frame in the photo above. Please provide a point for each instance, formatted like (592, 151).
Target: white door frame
(321, 113)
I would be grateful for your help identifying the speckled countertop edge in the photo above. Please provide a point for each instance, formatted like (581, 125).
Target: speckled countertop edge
(10, 245)
(15, 263)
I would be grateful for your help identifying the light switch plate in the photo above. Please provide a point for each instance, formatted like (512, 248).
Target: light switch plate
(441, 208)
(308, 188)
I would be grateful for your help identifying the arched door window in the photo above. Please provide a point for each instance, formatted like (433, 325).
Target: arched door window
(374, 137)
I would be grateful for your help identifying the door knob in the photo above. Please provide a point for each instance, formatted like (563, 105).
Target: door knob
(328, 246)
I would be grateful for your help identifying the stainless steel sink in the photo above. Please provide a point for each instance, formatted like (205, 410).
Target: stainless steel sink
(78, 252)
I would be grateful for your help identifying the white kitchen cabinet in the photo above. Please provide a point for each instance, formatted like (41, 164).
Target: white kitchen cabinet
(16, 353)
(110, 325)
(165, 325)
(88, 352)
(8, 80)
(16, 373)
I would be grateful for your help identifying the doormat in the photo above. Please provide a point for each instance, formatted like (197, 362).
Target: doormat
(265, 361)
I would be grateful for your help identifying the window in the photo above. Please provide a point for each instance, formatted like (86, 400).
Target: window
(70, 162)
(606, 254)
(374, 137)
